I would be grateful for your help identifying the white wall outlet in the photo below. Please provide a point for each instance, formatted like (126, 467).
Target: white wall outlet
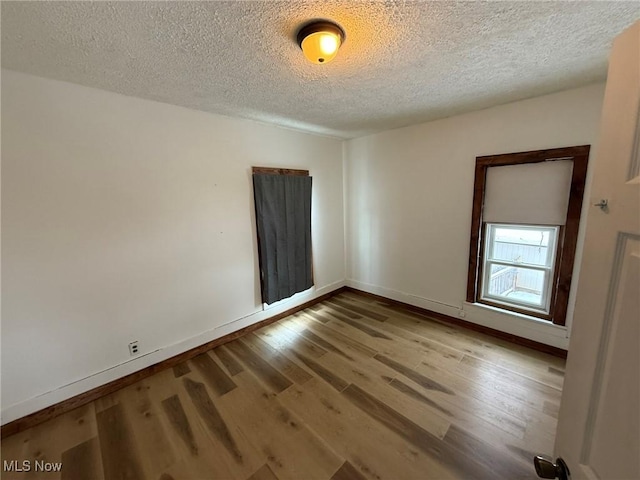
(462, 314)
(133, 348)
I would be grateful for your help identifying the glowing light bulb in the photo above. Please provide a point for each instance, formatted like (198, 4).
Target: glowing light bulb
(328, 43)
(320, 42)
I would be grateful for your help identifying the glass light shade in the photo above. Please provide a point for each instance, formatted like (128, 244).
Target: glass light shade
(320, 45)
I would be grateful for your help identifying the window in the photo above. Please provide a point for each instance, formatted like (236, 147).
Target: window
(518, 266)
(524, 230)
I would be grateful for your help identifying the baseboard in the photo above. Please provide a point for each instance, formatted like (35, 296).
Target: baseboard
(555, 351)
(406, 298)
(47, 413)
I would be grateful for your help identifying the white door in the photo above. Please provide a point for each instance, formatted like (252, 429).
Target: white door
(599, 426)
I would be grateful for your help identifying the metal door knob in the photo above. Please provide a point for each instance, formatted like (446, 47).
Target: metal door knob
(545, 468)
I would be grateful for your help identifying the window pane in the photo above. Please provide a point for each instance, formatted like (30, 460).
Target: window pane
(517, 285)
(521, 245)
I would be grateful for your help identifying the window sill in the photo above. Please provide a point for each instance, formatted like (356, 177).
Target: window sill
(513, 308)
(522, 316)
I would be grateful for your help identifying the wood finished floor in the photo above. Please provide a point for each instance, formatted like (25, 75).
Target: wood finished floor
(351, 388)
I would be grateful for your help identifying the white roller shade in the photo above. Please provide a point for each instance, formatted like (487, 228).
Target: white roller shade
(533, 193)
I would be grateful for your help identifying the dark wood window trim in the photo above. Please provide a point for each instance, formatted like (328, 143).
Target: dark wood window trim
(568, 235)
(279, 171)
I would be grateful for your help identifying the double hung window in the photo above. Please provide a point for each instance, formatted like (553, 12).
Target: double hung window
(518, 266)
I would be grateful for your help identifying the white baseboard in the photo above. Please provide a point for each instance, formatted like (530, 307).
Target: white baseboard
(34, 404)
(414, 300)
(514, 324)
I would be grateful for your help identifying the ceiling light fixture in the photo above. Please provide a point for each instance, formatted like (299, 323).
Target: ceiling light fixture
(320, 41)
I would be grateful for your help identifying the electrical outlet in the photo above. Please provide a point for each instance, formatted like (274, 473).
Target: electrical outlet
(462, 314)
(133, 348)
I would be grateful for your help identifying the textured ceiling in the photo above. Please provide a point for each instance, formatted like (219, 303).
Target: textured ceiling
(402, 62)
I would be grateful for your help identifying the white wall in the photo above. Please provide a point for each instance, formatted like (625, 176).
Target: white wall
(126, 219)
(409, 196)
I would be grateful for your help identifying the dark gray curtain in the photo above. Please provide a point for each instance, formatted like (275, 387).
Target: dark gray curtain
(283, 219)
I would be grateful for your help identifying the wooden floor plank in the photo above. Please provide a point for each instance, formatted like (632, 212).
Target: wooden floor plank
(211, 417)
(281, 362)
(14, 449)
(466, 411)
(336, 382)
(542, 390)
(265, 473)
(365, 312)
(420, 379)
(372, 376)
(338, 308)
(415, 394)
(228, 360)
(477, 403)
(175, 412)
(48, 441)
(263, 370)
(120, 456)
(347, 472)
(185, 470)
(216, 378)
(83, 461)
(316, 315)
(143, 418)
(279, 336)
(435, 352)
(211, 459)
(494, 460)
(292, 450)
(328, 346)
(406, 352)
(372, 332)
(105, 402)
(516, 398)
(510, 397)
(419, 437)
(339, 339)
(374, 450)
(325, 314)
(556, 371)
(181, 369)
(551, 409)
